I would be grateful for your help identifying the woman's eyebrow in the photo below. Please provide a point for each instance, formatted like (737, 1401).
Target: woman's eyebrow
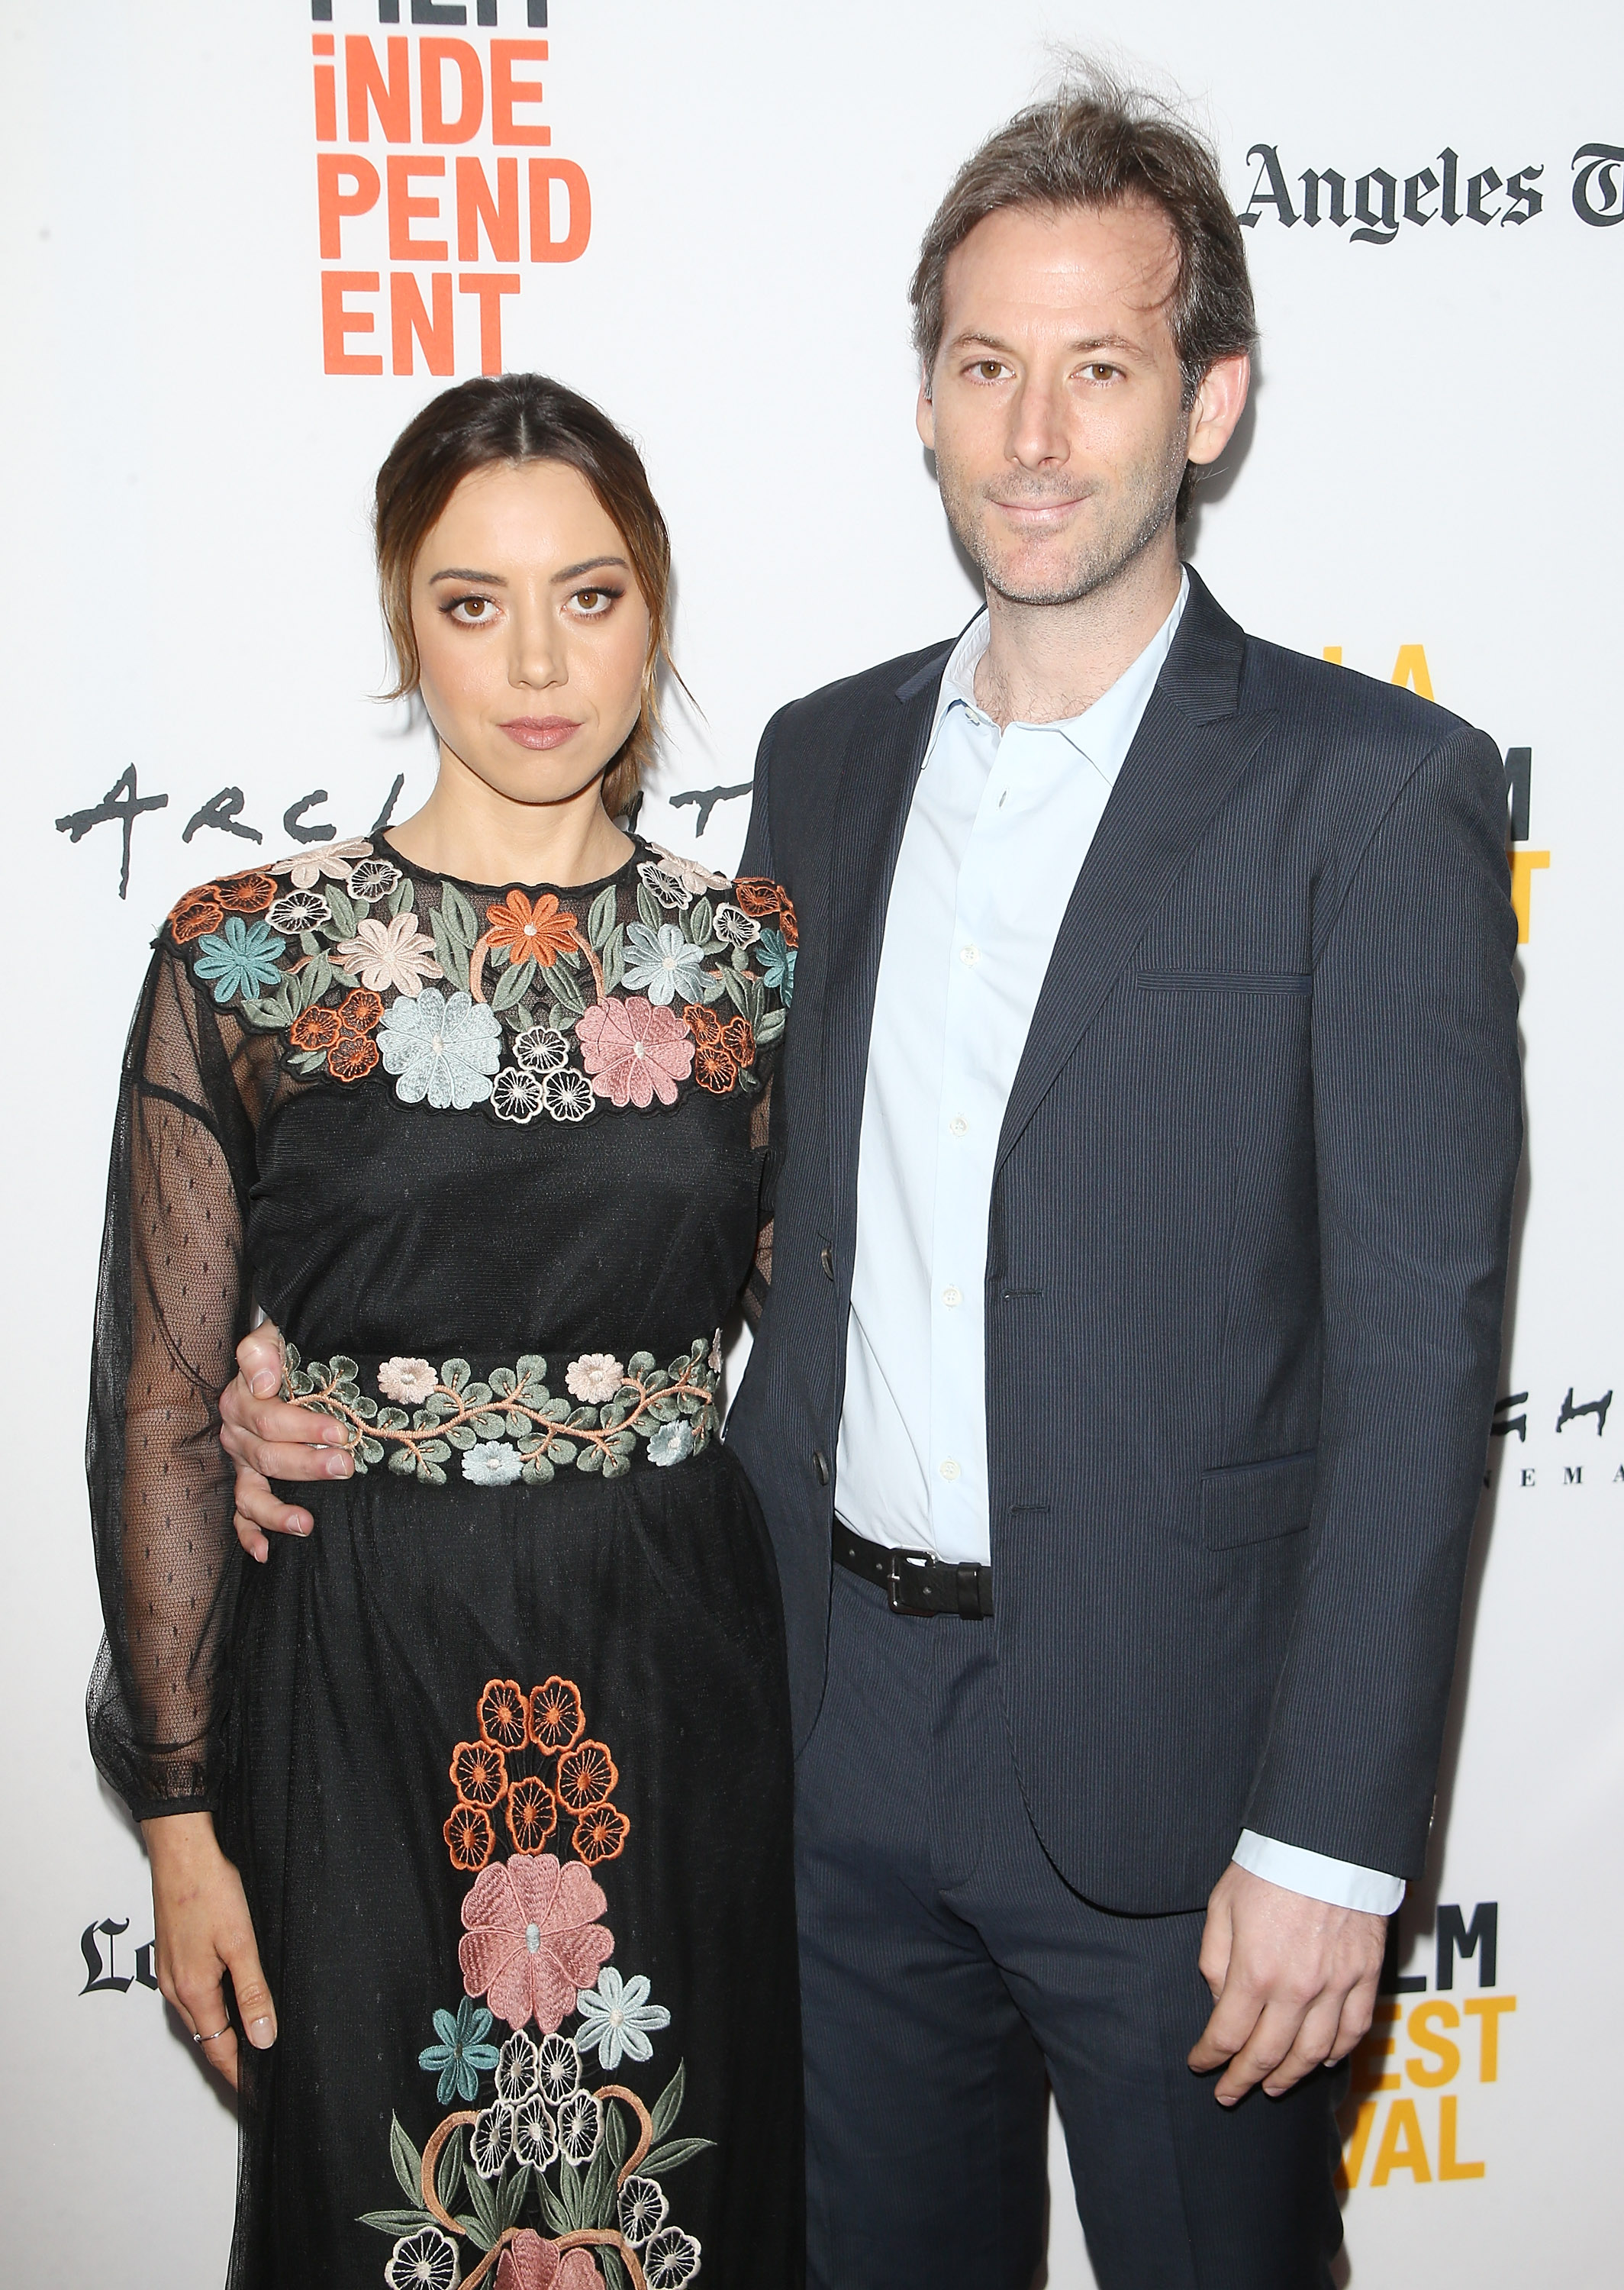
(463, 573)
(589, 565)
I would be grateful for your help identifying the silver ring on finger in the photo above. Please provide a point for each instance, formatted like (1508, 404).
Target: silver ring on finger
(215, 2038)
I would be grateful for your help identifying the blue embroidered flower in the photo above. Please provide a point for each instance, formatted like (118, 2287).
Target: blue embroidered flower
(617, 2017)
(241, 958)
(491, 1464)
(673, 1443)
(461, 2056)
(442, 1047)
(776, 956)
(662, 963)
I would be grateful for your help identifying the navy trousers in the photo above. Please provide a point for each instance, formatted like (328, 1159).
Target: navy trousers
(949, 1974)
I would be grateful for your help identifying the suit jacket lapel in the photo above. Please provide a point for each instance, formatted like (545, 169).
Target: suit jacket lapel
(878, 778)
(1190, 749)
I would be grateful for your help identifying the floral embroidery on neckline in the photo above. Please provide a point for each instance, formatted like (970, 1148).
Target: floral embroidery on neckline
(536, 1004)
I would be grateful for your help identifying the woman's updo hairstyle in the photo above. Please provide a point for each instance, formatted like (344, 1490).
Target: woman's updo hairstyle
(508, 418)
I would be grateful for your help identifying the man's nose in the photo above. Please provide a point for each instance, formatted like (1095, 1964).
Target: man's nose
(1038, 432)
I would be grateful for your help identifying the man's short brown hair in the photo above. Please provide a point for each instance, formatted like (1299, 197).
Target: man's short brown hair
(1097, 144)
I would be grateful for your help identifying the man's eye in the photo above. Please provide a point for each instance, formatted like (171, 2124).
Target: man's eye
(990, 369)
(1100, 373)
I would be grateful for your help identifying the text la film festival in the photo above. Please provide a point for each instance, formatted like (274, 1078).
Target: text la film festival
(244, 244)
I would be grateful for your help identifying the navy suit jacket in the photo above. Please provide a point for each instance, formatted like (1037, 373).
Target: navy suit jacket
(1246, 1254)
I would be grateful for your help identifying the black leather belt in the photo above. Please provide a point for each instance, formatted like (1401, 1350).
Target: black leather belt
(914, 1584)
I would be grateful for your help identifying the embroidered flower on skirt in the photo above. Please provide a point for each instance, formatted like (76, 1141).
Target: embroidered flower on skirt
(424, 2260)
(532, 1938)
(617, 2019)
(642, 2209)
(529, 2262)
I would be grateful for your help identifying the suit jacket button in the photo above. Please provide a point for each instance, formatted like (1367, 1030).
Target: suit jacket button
(821, 1464)
(826, 1258)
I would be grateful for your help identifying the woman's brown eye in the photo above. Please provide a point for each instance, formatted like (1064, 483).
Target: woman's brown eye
(475, 607)
(588, 599)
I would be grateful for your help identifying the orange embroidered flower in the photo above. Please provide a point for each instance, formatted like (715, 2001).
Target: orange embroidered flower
(345, 1033)
(539, 933)
(196, 915)
(758, 894)
(601, 1834)
(531, 1814)
(719, 1050)
(557, 1717)
(501, 1715)
(586, 1775)
(480, 1773)
(786, 921)
(469, 1838)
(246, 894)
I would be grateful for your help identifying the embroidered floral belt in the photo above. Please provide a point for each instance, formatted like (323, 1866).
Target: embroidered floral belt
(508, 1424)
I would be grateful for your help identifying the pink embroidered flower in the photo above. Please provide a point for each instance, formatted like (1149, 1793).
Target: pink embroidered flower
(407, 1381)
(595, 1377)
(633, 1051)
(530, 2262)
(532, 1941)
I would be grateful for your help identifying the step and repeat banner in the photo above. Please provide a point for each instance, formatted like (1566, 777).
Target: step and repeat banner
(243, 245)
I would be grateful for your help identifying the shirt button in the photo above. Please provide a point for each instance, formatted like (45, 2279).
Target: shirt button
(959, 1125)
(950, 1469)
(972, 954)
(951, 1297)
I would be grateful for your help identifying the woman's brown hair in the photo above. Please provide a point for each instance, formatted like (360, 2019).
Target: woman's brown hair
(510, 418)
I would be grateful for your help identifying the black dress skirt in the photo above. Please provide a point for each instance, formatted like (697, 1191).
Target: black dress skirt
(502, 1750)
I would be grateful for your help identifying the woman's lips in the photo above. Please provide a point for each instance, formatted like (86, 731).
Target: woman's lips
(540, 732)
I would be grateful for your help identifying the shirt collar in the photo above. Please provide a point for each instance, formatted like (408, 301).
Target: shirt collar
(1103, 733)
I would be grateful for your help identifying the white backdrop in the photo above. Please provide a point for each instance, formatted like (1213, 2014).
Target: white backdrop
(1430, 482)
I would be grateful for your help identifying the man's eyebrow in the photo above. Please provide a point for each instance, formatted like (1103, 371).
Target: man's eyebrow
(970, 338)
(590, 564)
(465, 572)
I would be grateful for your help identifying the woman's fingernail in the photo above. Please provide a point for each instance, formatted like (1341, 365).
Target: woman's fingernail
(338, 1466)
(261, 2034)
(297, 1525)
(264, 1383)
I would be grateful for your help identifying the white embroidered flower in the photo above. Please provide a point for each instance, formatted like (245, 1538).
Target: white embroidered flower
(516, 1096)
(300, 910)
(568, 1095)
(580, 2124)
(304, 868)
(442, 1047)
(541, 1049)
(559, 2067)
(426, 2261)
(518, 2072)
(715, 1360)
(669, 2259)
(393, 954)
(595, 1377)
(373, 879)
(491, 2141)
(617, 2019)
(666, 886)
(407, 1381)
(738, 928)
(491, 1464)
(694, 877)
(535, 2135)
(673, 1443)
(643, 2209)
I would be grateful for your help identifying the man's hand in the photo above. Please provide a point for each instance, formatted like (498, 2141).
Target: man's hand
(267, 1439)
(1293, 1983)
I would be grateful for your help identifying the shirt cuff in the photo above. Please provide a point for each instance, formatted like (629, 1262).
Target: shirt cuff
(1343, 1883)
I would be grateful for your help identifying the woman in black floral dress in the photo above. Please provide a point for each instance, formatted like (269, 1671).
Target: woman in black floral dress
(479, 1797)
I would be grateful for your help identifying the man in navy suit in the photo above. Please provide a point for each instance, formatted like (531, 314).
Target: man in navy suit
(1142, 1158)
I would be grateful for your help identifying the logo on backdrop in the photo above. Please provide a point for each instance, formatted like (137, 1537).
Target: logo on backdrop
(1415, 2112)
(112, 1968)
(1373, 208)
(424, 143)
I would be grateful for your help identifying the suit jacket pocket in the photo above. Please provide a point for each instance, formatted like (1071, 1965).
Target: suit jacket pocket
(1224, 981)
(1253, 1502)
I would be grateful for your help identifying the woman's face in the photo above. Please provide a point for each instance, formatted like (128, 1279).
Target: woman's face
(531, 633)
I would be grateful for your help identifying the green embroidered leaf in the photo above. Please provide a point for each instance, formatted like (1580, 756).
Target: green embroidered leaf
(452, 953)
(455, 1374)
(307, 1062)
(363, 1407)
(698, 924)
(485, 2204)
(308, 943)
(461, 1434)
(393, 1419)
(624, 1443)
(397, 2223)
(649, 911)
(430, 1474)
(402, 1460)
(755, 1000)
(408, 2163)
(553, 2210)
(672, 2155)
(600, 922)
(272, 1016)
(448, 2177)
(639, 1364)
(514, 983)
(476, 1395)
(769, 1027)
(569, 2191)
(614, 1467)
(458, 912)
(590, 1459)
(571, 999)
(614, 959)
(511, 2196)
(401, 899)
(473, 2230)
(527, 1364)
(735, 988)
(503, 1381)
(555, 1411)
(710, 987)
(293, 1355)
(614, 2273)
(344, 1368)
(516, 1426)
(343, 913)
(583, 1419)
(665, 1405)
(563, 1451)
(614, 2132)
(537, 1472)
(493, 1426)
(371, 1450)
(669, 2106)
(598, 2199)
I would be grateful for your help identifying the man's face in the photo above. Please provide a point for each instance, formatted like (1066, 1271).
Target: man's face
(1055, 405)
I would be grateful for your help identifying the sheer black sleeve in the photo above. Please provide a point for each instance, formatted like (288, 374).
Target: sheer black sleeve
(172, 1303)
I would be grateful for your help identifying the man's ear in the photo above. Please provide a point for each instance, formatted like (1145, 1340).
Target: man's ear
(924, 415)
(1218, 405)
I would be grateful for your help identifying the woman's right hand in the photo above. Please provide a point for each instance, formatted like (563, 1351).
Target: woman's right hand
(205, 1931)
(268, 1439)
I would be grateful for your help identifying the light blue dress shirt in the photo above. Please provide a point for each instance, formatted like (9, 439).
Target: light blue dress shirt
(1001, 821)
